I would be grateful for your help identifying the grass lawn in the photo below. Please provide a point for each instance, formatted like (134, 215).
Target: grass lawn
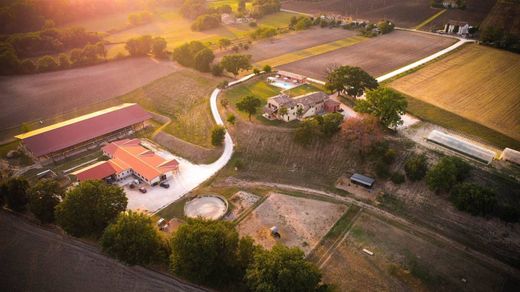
(303, 89)
(258, 87)
(183, 96)
(480, 84)
(310, 52)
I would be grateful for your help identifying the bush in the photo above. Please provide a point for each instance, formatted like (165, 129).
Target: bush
(267, 69)
(389, 156)
(194, 55)
(47, 63)
(90, 207)
(132, 239)
(263, 32)
(303, 23)
(217, 70)
(446, 173)
(217, 135)
(476, 200)
(256, 71)
(223, 84)
(14, 192)
(253, 24)
(231, 119)
(205, 22)
(44, 196)
(415, 167)
(397, 178)
(382, 169)
(139, 46)
(203, 59)
(158, 47)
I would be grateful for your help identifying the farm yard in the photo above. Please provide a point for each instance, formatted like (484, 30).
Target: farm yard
(403, 13)
(479, 83)
(301, 222)
(474, 13)
(377, 56)
(404, 259)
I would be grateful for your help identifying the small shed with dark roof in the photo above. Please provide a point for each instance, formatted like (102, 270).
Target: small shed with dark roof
(362, 180)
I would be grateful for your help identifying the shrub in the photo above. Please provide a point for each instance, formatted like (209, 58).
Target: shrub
(253, 24)
(476, 200)
(44, 196)
(415, 167)
(203, 59)
(223, 84)
(217, 70)
(139, 46)
(446, 173)
(397, 178)
(14, 192)
(389, 156)
(263, 32)
(267, 69)
(205, 22)
(256, 71)
(231, 119)
(217, 135)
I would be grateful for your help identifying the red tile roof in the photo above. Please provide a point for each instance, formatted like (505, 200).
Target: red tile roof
(129, 154)
(98, 170)
(81, 129)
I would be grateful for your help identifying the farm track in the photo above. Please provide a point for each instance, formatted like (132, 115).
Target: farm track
(416, 229)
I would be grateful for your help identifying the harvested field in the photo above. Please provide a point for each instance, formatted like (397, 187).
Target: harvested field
(301, 222)
(475, 12)
(294, 41)
(377, 56)
(404, 260)
(479, 83)
(403, 13)
(41, 96)
(505, 15)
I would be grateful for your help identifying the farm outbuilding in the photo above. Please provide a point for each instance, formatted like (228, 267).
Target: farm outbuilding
(461, 146)
(511, 155)
(360, 179)
(73, 136)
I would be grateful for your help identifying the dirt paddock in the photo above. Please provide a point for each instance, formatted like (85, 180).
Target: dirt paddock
(404, 260)
(301, 222)
(377, 56)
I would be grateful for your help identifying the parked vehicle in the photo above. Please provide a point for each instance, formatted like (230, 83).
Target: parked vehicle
(142, 190)
(165, 185)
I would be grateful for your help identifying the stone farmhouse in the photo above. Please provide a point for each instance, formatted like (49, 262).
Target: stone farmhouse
(285, 108)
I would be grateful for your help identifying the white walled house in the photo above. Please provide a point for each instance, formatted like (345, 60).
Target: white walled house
(300, 107)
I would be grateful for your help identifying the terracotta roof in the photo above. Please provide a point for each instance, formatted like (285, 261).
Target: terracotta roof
(129, 154)
(81, 129)
(99, 170)
(291, 75)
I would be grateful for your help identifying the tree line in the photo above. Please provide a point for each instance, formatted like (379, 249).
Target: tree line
(198, 251)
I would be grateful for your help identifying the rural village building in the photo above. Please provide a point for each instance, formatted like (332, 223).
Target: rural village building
(457, 27)
(129, 157)
(300, 107)
(89, 131)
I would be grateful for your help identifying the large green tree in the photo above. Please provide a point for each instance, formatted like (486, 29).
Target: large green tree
(205, 252)
(158, 46)
(89, 207)
(249, 104)
(330, 123)
(14, 191)
(474, 199)
(139, 46)
(234, 63)
(387, 105)
(132, 239)
(447, 173)
(306, 131)
(44, 196)
(350, 80)
(282, 269)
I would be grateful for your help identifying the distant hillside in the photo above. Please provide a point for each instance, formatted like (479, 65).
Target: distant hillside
(505, 16)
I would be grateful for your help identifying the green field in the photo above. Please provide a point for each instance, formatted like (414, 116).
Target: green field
(183, 96)
(313, 51)
(177, 30)
(477, 85)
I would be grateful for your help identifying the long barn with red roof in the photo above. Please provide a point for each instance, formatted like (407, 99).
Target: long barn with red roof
(73, 136)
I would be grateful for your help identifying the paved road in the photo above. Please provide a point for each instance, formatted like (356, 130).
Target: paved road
(36, 259)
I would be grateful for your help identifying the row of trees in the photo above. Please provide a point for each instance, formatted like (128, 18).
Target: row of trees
(318, 126)
(90, 54)
(140, 18)
(260, 8)
(144, 45)
(263, 32)
(499, 38)
(198, 251)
